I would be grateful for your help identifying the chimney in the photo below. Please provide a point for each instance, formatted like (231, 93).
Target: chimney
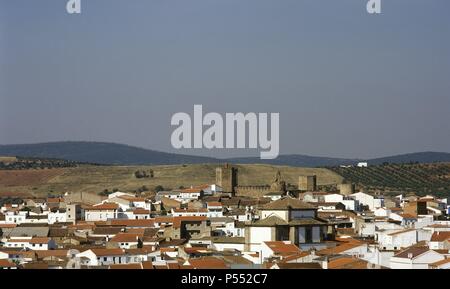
(410, 255)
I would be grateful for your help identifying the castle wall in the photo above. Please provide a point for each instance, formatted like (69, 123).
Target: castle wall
(252, 191)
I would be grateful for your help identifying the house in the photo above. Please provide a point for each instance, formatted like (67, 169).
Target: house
(278, 250)
(135, 214)
(440, 241)
(349, 203)
(101, 212)
(127, 240)
(15, 217)
(372, 202)
(32, 243)
(388, 240)
(100, 256)
(56, 215)
(415, 208)
(183, 227)
(215, 209)
(415, 258)
(224, 243)
(190, 194)
(141, 214)
(283, 220)
(190, 227)
(208, 190)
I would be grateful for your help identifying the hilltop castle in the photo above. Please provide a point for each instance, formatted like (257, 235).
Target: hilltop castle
(227, 178)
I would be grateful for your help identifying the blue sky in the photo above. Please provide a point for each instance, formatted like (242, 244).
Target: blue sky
(346, 83)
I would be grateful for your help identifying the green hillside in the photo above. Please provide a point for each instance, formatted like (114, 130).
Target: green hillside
(418, 178)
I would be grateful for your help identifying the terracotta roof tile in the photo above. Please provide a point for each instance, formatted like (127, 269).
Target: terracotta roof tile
(440, 236)
(208, 263)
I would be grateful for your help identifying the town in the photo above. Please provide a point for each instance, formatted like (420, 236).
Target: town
(225, 225)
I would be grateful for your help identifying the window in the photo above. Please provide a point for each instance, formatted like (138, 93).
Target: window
(308, 235)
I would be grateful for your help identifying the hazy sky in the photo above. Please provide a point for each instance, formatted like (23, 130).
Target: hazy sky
(346, 83)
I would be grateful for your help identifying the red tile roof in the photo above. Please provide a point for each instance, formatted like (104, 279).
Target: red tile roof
(100, 252)
(281, 248)
(103, 207)
(214, 204)
(6, 264)
(440, 236)
(347, 263)
(147, 223)
(208, 263)
(125, 238)
(412, 252)
(140, 211)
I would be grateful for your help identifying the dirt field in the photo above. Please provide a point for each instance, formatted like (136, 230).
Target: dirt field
(98, 178)
(11, 178)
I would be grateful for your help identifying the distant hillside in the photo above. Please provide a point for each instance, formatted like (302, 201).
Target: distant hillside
(100, 153)
(421, 157)
(297, 161)
(119, 154)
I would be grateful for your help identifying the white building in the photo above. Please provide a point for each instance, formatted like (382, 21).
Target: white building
(440, 241)
(349, 203)
(228, 243)
(368, 200)
(215, 209)
(415, 258)
(101, 212)
(58, 216)
(388, 240)
(32, 243)
(98, 257)
(18, 217)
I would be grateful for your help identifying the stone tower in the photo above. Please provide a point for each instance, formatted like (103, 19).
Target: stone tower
(307, 183)
(346, 188)
(278, 185)
(227, 178)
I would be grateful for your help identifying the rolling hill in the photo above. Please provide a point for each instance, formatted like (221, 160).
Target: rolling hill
(119, 154)
(89, 178)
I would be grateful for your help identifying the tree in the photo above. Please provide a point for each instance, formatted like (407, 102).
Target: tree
(159, 188)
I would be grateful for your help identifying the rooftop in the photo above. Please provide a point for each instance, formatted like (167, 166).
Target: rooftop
(288, 203)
